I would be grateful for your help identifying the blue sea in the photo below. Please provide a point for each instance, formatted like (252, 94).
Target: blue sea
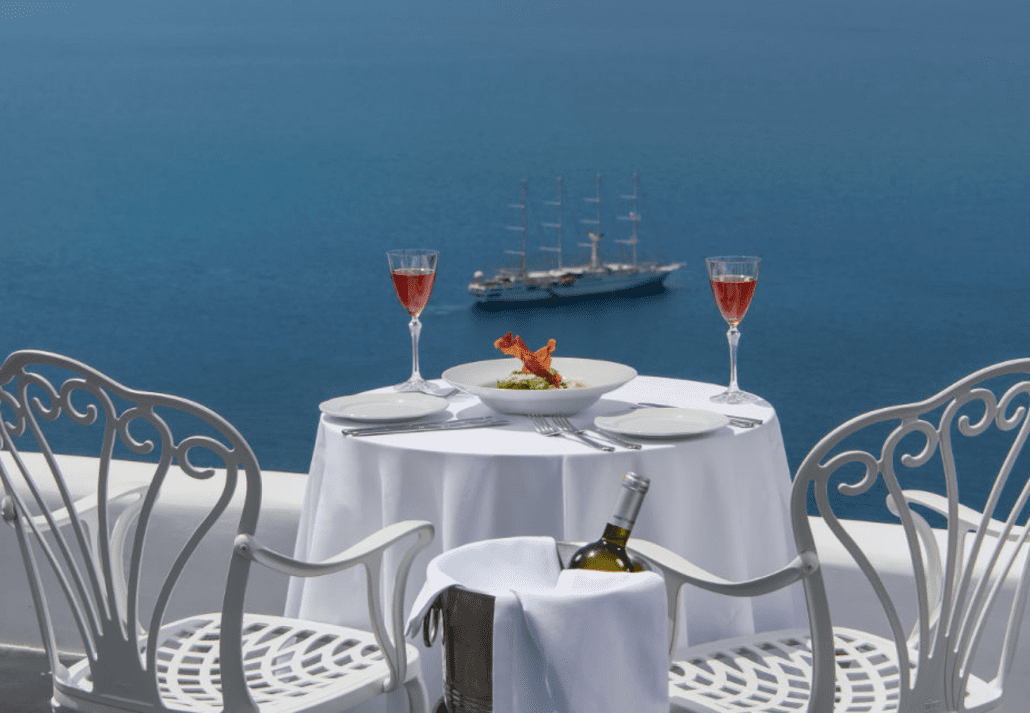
(196, 196)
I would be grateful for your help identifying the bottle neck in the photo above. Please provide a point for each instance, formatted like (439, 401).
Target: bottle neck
(626, 508)
(625, 516)
(615, 535)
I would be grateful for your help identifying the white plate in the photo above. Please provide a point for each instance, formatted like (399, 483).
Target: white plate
(662, 422)
(398, 406)
(480, 379)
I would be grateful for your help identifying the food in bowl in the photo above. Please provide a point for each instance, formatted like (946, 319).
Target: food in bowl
(522, 380)
(536, 364)
(598, 377)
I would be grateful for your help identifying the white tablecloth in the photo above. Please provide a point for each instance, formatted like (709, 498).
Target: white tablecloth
(720, 499)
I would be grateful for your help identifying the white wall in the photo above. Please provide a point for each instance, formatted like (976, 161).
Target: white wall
(202, 583)
(854, 603)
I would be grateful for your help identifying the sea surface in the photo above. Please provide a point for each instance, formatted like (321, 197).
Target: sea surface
(196, 197)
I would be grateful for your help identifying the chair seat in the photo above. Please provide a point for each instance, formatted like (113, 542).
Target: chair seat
(771, 673)
(293, 664)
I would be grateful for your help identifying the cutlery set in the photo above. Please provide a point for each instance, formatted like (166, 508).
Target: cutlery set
(561, 426)
(744, 421)
(544, 424)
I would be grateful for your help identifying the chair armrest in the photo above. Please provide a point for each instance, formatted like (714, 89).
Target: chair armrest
(681, 571)
(88, 516)
(369, 553)
(933, 564)
(86, 506)
(377, 542)
(967, 516)
(678, 571)
(968, 520)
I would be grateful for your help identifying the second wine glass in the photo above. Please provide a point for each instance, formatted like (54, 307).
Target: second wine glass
(413, 273)
(733, 280)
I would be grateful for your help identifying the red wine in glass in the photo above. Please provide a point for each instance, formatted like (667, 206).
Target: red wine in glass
(733, 280)
(413, 285)
(413, 273)
(733, 296)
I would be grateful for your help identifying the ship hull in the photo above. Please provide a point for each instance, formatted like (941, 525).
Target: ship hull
(544, 287)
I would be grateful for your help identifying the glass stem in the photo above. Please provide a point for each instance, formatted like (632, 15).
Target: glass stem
(415, 327)
(733, 336)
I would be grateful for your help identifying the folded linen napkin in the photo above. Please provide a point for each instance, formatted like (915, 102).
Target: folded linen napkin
(570, 641)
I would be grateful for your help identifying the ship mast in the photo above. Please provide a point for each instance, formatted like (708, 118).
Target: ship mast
(522, 207)
(634, 217)
(557, 225)
(595, 234)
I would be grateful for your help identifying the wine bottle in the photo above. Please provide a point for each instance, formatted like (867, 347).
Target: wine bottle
(609, 553)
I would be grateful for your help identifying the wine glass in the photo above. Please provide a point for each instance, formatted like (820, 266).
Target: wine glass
(413, 273)
(733, 280)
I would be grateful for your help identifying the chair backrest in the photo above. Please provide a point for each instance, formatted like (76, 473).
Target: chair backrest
(95, 544)
(948, 469)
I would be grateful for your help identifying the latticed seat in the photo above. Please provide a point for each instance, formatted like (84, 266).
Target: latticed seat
(287, 662)
(137, 657)
(905, 460)
(774, 673)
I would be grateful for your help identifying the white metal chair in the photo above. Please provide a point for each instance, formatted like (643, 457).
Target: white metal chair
(136, 660)
(967, 570)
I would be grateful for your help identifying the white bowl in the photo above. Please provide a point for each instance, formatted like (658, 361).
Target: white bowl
(480, 379)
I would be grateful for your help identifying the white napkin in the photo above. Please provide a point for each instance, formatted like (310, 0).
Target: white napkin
(492, 567)
(563, 641)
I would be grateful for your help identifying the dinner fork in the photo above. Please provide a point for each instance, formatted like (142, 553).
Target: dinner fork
(545, 428)
(565, 424)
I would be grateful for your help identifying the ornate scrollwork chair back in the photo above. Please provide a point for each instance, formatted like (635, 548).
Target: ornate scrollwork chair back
(967, 557)
(948, 469)
(86, 547)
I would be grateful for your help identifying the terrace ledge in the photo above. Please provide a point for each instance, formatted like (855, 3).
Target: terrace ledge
(853, 601)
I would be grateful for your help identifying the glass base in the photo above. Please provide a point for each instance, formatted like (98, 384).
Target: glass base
(425, 387)
(735, 397)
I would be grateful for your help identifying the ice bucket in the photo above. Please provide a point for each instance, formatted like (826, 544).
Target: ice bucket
(466, 620)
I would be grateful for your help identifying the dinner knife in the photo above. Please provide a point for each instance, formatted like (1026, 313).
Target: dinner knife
(457, 424)
(739, 421)
(401, 425)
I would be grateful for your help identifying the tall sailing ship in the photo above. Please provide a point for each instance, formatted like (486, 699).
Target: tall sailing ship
(596, 278)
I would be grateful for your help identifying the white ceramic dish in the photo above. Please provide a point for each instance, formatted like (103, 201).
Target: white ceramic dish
(377, 407)
(662, 422)
(480, 379)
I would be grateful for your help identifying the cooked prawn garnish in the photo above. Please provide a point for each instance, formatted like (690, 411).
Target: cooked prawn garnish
(538, 362)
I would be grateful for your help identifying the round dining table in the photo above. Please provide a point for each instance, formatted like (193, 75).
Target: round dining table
(719, 498)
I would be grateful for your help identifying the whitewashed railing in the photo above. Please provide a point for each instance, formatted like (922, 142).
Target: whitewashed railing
(283, 495)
